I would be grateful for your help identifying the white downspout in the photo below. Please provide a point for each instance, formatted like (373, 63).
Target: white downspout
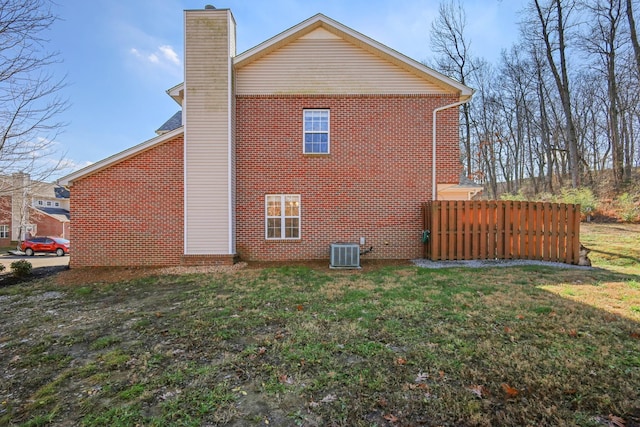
(434, 187)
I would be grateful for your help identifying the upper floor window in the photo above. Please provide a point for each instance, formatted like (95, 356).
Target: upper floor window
(56, 204)
(40, 203)
(4, 231)
(48, 203)
(316, 131)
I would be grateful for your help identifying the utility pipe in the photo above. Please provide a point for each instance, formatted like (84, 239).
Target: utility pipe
(434, 187)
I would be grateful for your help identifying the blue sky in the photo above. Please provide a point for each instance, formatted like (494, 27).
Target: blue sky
(120, 56)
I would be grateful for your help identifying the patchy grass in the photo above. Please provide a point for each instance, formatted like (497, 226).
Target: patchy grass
(304, 346)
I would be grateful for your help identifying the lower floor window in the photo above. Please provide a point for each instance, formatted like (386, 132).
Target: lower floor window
(282, 212)
(4, 231)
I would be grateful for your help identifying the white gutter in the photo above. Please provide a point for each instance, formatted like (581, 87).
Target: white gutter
(434, 187)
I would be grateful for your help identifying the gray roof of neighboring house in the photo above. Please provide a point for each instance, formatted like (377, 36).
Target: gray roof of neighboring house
(58, 213)
(61, 192)
(173, 123)
(467, 182)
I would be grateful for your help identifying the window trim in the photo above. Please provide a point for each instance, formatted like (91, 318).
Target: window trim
(4, 229)
(304, 131)
(282, 217)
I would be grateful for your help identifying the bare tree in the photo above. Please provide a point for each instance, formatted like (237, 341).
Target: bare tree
(632, 32)
(553, 26)
(30, 100)
(603, 42)
(449, 41)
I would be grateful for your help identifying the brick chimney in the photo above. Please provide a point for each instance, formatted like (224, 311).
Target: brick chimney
(208, 114)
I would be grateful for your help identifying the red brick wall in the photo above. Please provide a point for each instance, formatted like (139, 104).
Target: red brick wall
(46, 225)
(5, 218)
(371, 185)
(131, 213)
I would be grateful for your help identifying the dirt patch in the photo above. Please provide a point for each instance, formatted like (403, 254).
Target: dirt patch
(78, 276)
(8, 279)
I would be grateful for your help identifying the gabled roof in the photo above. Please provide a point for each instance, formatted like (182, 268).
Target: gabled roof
(358, 39)
(60, 214)
(173, 123)
(342, 31)
(118, 157)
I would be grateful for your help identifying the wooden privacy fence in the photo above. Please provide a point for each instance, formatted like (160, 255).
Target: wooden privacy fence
(464, 230)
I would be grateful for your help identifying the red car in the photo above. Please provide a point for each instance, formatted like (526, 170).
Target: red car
(55, 245)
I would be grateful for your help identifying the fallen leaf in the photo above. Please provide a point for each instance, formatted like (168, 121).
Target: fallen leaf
(508, 330)
(422, 377)
(572, 333)
(158, 314)
(635, 335)
(262, 350)
(299, 307)
(478, 390)
(401, 361)
(391, 418)
(520, 316)
(511, 392)
(285, 379)
(615, 421)
(441, 373)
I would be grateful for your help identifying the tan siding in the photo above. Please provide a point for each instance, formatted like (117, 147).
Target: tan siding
(207, 135)
(326, 64)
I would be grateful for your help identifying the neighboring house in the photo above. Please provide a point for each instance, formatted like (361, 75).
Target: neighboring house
(315, 136)
(29, 208)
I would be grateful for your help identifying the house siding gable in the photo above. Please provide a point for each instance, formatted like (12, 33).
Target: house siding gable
(322, 63)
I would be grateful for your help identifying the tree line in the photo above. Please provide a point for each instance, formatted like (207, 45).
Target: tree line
(560, 107)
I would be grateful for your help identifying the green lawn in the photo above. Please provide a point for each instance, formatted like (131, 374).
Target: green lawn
(300, 346)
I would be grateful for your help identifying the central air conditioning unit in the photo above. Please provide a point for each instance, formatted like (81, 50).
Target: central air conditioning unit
(345, 255)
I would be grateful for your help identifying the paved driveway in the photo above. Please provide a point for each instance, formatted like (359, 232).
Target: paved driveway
(38, 260)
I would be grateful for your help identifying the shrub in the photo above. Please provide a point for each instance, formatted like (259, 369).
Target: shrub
(520, 197)
(21, 268)
(582, 196)
(2, 267)
(627, 207)
(546, 197)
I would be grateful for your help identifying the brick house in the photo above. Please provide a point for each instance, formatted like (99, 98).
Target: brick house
(315, 136)
(29, 207)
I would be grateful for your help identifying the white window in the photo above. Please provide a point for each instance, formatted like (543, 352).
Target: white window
(56, 204)
(48, 203)
(4, 231)
(40, 203)
(282, 214)
(316, 131)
